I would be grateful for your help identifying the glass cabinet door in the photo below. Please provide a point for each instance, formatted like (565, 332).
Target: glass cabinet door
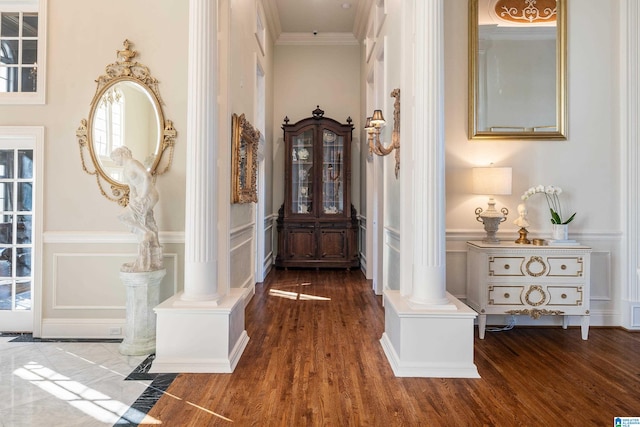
(302, 173)
(332, 173)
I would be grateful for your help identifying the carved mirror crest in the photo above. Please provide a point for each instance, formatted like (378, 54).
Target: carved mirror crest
(244, 158)
(126, 110)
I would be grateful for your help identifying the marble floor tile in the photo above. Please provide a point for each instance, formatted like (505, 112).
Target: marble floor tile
(67, 383)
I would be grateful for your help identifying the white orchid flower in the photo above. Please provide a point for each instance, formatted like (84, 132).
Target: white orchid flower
(551, 193)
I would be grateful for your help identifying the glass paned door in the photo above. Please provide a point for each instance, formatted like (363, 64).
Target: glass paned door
(16, 237)
(302, 173)
(332, 173)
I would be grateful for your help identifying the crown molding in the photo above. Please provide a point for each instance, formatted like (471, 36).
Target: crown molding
(273, 18)
(362, 18)
(326, 39)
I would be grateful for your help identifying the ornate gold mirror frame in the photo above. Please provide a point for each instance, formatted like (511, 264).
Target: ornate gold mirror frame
(126, 110)
(244, 160)
(517, 69)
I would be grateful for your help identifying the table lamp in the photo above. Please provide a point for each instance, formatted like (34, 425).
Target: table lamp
(491, 181)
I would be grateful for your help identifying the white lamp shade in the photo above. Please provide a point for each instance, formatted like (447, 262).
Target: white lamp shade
(491, 181)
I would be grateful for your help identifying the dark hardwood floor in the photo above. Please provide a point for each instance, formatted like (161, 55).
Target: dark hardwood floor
(314, 359)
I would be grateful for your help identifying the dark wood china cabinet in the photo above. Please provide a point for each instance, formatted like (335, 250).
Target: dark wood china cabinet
(317, 224)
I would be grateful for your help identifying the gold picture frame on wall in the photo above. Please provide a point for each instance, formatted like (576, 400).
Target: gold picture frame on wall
(244, 160)
(517, 69)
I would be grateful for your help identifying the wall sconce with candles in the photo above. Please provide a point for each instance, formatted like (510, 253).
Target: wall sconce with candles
(376, 122)
(491, 181)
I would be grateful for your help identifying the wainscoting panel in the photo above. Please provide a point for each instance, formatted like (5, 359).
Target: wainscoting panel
(243, 256)
(391, 259)
(635, 316)
(362, 242)
(601, 285)
(82, 295)
(457, 273)
(98, 275)
(95, 272)
(270, 236)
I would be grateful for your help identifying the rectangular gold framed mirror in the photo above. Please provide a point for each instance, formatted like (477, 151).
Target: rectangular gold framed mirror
(244, 158)
(517, 69)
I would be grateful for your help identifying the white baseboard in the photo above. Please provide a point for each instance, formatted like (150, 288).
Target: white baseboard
(83, 328)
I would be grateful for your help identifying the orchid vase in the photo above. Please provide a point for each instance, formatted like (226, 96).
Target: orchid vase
(560, 231)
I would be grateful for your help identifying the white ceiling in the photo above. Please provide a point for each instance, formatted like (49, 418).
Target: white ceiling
(323, 16)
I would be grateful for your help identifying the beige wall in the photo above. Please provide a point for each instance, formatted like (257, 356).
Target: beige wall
(77, 54)
(586, 166)
(305, 77)
(382, 56)
(245, 56)
(84, 243)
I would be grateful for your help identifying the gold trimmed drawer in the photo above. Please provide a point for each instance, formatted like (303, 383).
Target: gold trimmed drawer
(505, 295)
(505, 266)
(565, 295)
(565, 266)
(509, 278)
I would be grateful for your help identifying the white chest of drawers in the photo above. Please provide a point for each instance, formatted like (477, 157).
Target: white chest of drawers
(508, 278)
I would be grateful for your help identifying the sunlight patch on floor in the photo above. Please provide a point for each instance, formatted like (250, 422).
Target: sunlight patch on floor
(297, 295)
(90, 401)
(173, 396)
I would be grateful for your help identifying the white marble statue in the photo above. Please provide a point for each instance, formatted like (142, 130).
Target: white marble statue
(138, 214)
(521, 221)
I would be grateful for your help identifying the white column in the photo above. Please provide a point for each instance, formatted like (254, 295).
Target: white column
(202, 329)
(427, 228)
(428, 332)
(201, 234)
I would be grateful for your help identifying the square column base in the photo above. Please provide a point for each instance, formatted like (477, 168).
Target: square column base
(428, 342)
(197, 337)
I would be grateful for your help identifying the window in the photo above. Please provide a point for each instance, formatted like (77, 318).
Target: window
(22, 51)
(108, 123)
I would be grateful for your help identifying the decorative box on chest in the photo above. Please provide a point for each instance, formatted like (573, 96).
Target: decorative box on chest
(514, 279)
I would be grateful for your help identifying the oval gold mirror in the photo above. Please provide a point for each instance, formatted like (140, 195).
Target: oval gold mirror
(126, 110)
(517, 69)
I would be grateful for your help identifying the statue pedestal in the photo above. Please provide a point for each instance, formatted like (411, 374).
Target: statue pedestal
(143, 294)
